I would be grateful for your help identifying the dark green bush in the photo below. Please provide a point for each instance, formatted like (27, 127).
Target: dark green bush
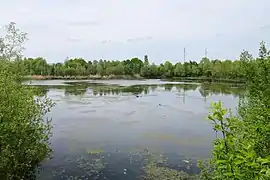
(243, 151)
(24, 132)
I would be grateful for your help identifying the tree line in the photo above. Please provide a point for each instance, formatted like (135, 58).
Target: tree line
(207, 68)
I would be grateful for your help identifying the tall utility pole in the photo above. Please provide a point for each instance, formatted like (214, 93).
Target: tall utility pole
(184, 61)
(184, 55)
(184, 95)
(205, 52)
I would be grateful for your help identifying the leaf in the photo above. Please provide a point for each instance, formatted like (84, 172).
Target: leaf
(221, 162)
(268, 173)
(264, 161)
(210, 117)
(238, 161)
(229, 174)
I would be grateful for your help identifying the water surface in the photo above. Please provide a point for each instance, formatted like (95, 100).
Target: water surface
(119, 117)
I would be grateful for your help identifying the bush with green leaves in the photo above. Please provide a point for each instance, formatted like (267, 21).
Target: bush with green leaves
(242, 150)
(24, 132)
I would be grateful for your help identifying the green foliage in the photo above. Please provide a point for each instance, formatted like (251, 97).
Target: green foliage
(206, 68)
(243, 150)
(255, 107)
(24, 135)
(11, 45)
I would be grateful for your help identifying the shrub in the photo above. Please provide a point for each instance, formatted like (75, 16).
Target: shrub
(243, 150)
(24, 133)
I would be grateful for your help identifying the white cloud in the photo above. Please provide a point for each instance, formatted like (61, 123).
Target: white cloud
(114, 29)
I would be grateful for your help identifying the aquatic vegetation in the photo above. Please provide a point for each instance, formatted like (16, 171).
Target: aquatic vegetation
(154, 165)
(90, 167)
(155, 172)
(156, 168)
(95, 151)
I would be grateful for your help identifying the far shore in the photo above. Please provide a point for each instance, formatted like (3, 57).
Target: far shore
(136, 77)
(91, 77)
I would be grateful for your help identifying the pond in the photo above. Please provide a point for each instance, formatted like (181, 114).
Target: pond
(102, 128)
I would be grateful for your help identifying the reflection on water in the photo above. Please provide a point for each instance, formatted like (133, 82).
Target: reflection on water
(99, 89)
(98, 124)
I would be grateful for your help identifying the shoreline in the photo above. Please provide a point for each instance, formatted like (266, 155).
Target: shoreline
(206, 79)
(92, 77)
(128, 77)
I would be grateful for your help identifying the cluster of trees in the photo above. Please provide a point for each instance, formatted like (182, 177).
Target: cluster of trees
(79, 67)
(243, 150)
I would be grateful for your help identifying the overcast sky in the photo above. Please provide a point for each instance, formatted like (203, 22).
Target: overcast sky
(119, 29)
